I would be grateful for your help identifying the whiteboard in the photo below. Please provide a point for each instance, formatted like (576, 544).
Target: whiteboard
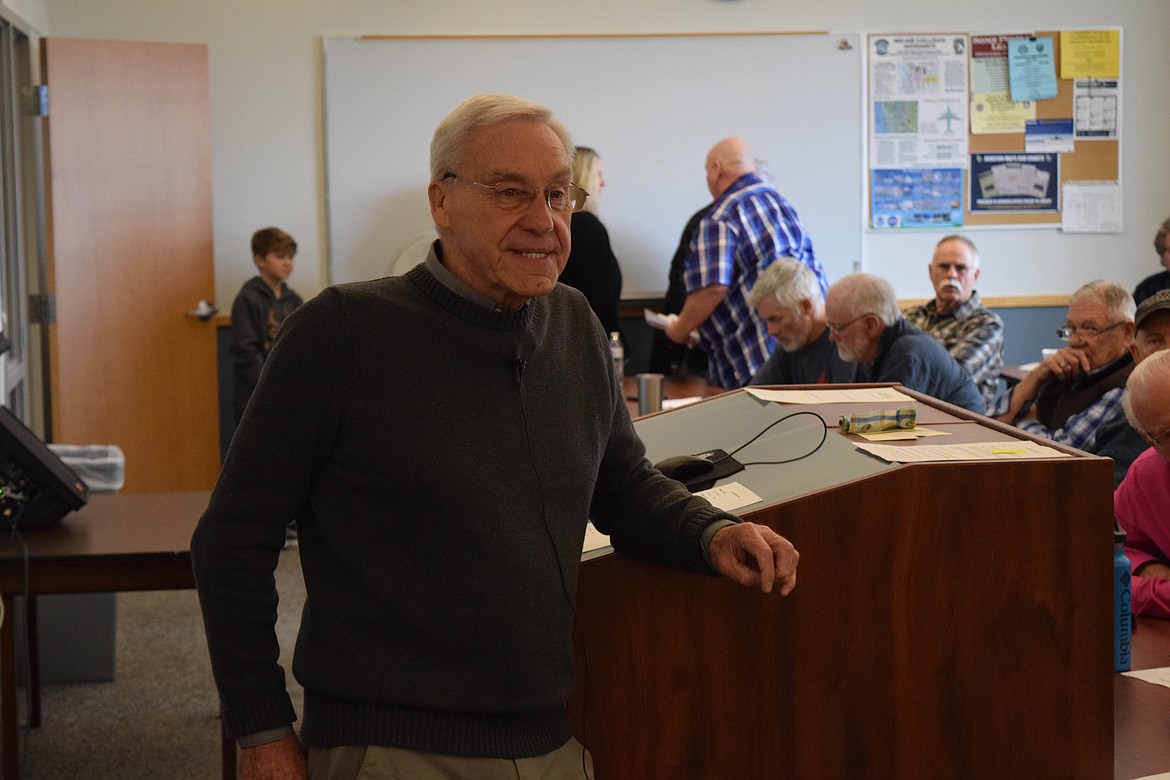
(651, 106)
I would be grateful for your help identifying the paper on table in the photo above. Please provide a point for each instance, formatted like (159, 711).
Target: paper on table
(864, 394)
(729, 497)
(987, 450)
(726, 497)
(594, 539)
(1159, 676)
(909, 435)
(674, 403)
(889, 436)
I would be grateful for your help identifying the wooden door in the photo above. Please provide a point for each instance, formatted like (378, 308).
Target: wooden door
(128, 159)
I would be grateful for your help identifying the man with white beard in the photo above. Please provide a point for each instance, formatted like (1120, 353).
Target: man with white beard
(957, 319)
(861, 314)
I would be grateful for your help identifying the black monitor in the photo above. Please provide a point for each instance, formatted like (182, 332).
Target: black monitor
(36, 488)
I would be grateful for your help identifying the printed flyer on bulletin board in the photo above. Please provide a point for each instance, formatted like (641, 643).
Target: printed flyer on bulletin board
(1014, 181)
(918, 129)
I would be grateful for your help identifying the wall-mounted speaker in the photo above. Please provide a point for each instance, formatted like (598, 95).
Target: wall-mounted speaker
(36, 488)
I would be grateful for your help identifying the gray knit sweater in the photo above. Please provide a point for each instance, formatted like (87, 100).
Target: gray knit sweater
(441, 459)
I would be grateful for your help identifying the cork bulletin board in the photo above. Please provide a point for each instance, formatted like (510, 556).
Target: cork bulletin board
(1091, 160)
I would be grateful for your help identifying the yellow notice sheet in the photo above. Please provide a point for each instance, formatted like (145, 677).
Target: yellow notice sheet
(996, 112)
(1088, 54)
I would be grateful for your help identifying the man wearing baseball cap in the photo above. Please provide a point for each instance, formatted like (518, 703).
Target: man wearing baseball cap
(1116, 438)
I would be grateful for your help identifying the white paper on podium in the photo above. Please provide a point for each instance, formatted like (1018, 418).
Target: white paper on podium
(730, 497)
(855, 395)
(917, 432)
(1160, 676)
(987, 450)
(594, 539)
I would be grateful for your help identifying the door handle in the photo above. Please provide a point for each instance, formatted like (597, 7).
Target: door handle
(204, 310)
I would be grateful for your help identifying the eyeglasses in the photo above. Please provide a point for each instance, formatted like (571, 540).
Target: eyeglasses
(836, 329)
(514, 195)
(1068, 331)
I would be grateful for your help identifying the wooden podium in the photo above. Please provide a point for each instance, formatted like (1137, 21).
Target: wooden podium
(950, 620)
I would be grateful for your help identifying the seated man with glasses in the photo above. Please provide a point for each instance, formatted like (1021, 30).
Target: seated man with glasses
(1069, 395)
(863, 319)
(1141, 500)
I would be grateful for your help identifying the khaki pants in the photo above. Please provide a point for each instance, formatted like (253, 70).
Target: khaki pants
(361, 762)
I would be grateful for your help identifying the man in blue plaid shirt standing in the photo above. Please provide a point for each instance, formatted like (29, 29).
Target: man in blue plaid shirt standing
(749, 226)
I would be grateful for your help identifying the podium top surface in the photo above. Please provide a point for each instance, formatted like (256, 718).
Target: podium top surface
(729, 421)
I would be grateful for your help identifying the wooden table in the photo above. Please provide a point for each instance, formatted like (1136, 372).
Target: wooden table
(118, 542)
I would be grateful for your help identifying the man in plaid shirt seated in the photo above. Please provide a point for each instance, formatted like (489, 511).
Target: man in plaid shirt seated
(1069, 395)
(957, 319)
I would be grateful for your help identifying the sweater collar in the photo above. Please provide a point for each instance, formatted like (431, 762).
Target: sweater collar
(457, 297)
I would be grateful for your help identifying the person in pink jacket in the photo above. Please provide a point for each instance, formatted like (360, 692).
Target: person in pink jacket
(1142, 500)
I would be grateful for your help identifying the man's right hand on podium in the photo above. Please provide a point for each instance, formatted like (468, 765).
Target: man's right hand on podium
(753, 554)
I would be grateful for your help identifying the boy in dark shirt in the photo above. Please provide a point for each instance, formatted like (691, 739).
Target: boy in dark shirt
(260, 307)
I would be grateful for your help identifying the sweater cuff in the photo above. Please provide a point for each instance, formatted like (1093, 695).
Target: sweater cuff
(258, 717)
(264, 737)
(709, 534)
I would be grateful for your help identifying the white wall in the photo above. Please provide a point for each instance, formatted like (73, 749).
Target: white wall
(32, 12)
(267, 106)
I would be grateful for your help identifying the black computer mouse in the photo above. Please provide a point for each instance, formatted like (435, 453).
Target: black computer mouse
(685, 468)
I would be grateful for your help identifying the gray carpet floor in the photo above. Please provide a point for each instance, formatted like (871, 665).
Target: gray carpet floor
(158, 719)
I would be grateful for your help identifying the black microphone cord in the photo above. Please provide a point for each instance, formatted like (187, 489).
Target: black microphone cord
(824, 436)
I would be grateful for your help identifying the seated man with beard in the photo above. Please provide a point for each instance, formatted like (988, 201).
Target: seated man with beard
(866, 325)
(788, 298)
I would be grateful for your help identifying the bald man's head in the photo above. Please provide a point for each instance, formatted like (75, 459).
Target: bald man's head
(727, 161)
(1145, 405)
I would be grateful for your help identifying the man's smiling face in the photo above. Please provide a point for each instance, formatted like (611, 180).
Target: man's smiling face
(509, 256)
